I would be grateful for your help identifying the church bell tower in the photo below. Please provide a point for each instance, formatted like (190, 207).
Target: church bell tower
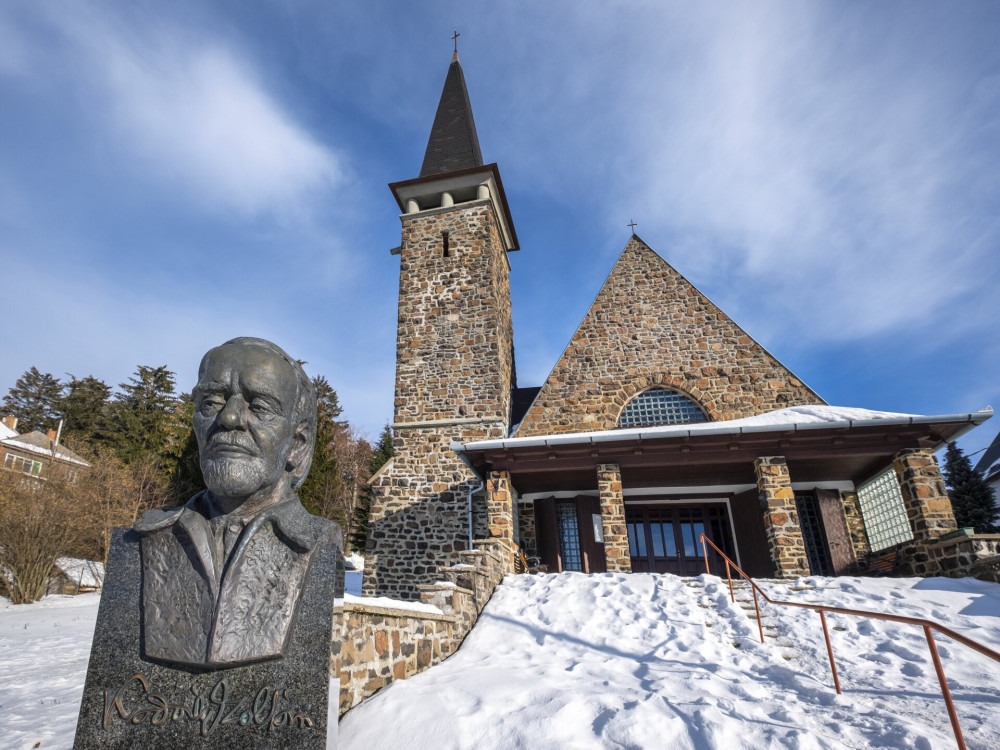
(454, 352)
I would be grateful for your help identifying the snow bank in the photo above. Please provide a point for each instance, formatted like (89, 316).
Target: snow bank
(645, 661)
(623, 661)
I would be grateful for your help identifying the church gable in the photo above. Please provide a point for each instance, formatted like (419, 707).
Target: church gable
(650, 328)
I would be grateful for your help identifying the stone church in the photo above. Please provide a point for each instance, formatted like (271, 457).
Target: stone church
(661, 420)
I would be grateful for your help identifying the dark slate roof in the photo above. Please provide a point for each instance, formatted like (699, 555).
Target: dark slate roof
(989, 457)
(453, 143)
(520, 400)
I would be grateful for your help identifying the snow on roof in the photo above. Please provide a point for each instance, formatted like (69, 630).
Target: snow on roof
(36, 442)
(6, 432)
(84, 573)
(791, 418)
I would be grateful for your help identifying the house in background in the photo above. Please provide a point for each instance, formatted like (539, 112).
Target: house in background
(988, 466)
(72, 576)
(38, 454)
(662, 419)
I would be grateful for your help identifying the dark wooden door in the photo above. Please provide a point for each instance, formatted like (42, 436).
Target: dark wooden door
(664, 539)
(838, 539)
(565, 534)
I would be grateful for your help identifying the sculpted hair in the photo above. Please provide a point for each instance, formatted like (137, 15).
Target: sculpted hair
(304, 415)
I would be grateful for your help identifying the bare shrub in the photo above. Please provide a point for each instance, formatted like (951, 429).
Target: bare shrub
(37, 526)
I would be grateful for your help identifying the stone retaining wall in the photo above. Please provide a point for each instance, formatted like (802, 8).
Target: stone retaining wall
(381, 644)
(967, 554)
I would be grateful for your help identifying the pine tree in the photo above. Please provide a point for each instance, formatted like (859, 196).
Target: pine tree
(382, 453)
(319, 492)
(971, 498)
(82, 404)
(34, 400)
(186, 479)
(143, 421)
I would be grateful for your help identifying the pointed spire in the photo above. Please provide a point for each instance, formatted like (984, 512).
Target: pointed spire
(453, 144)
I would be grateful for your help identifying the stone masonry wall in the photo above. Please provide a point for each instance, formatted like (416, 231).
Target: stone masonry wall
(616, 552)
(454, 367)
(650, 327)
(928, 507)
(976, 555)
(419, 513)
(383, 644)
(500, 510)
(454, 340)
(781, 519)
(855, 524)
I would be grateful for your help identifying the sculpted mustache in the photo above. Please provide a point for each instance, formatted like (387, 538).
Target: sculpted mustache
(236, 440)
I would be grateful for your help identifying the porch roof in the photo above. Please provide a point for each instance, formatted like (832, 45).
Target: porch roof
(821, 443)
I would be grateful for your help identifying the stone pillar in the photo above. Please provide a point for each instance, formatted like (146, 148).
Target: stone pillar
(855, 524)
(500, 511)
(781, 519)
(927, 506)
(609, 485)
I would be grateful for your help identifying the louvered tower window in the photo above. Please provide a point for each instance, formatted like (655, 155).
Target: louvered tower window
(660, 406)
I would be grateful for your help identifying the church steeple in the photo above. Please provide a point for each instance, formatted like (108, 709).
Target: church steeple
(453, 173)
(453, 144)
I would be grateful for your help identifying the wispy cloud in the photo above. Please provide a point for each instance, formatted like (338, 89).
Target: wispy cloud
(192, 112)
(822, 173)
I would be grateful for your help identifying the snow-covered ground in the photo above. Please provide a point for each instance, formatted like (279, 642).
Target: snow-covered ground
(639, 661)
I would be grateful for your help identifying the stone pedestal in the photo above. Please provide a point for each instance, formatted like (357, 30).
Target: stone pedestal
(781, 519)
(927, 504)
(130, 701)
(616, 552)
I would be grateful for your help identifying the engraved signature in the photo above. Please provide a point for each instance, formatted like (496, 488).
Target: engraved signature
(134, 702)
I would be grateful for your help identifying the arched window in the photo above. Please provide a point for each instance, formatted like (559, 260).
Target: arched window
(660, 406)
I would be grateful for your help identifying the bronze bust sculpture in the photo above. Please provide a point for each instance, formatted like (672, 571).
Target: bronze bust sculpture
(222, 575)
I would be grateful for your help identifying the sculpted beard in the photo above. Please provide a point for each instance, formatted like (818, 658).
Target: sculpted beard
(234, 477)
(239, 476)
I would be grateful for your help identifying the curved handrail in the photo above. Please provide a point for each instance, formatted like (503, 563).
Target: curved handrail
(928, 626)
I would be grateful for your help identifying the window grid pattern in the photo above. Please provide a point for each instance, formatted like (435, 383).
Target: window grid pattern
(569, 537)
(883, 512)
(812, 535)
(660, 406)
(27, 466)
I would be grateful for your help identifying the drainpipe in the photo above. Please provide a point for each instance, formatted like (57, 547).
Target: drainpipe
(472, 491)
(460, 450)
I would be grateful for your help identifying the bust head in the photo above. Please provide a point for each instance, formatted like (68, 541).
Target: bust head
(255, 421)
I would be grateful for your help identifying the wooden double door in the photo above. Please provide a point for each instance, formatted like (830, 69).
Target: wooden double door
(665, 538)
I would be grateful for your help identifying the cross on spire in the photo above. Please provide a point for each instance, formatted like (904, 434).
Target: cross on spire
(454, 38)
(632, 225)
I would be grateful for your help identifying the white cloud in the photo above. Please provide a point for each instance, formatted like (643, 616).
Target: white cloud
(195, 113)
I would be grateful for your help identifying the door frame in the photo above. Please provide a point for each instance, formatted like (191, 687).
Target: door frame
(692, 499)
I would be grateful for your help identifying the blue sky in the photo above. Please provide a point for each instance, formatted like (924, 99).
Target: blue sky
(175, 174)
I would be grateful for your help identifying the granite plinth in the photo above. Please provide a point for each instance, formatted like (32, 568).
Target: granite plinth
(131, 702)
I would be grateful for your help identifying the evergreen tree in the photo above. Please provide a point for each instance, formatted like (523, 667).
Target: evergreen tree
(34, 400)
(143, 419)
(186, 479)
(319, 492)
(82, 404)
(971, 498)
(382, 453)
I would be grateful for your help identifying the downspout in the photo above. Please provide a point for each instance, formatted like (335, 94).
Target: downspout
(460, 450)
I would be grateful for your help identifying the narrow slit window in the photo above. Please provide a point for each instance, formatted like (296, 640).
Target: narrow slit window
(444, 245)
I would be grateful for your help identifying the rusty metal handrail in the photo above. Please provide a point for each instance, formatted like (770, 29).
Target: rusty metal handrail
(928, 626)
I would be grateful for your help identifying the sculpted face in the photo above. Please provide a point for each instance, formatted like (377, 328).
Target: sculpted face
(244, 419)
